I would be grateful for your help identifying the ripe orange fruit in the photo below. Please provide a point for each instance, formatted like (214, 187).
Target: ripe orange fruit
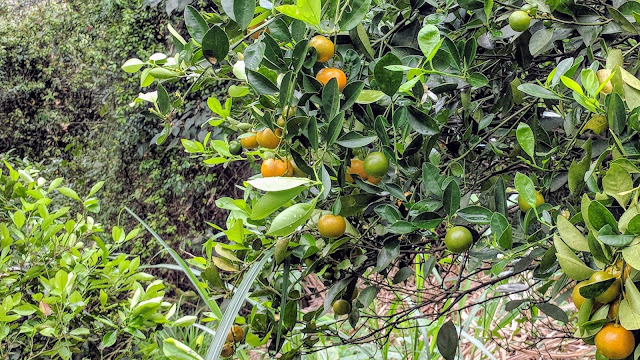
(326, 74)
(236, 334)
(331, 226)
(276, 167)
(249, 142)
(374, 180)
(578, 299)
(458, 239)
(324, 47)
(615, 342)
(227, 350)
(376, 164)
(268, 139)
(519, 20)
(524, 206)
(357, 168)
(612, 292)
(341, 307)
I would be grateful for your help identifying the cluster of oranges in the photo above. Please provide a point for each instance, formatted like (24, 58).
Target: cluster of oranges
(612, 341)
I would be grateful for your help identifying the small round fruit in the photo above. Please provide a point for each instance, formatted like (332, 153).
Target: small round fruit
(578, 299)
(227, 350)
(324, 48)
(235, 148)
(276, 167)
(458, 239)
(331, 226)
(326, 74)
(357, 168)
(615, 342)
(612, 292)
(341, 307)
(613, 309)
(376, 164)
(236, 334)
(524, 206)
(268, 139)
(249, 142)
(519, 21)
(602, 75)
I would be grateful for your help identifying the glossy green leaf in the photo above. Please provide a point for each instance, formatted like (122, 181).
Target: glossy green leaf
(215, 45)
(290, 219)
(387, 80)
(526, 139)
(476, 214)
(196, 24)
(429, 41)
(571, 235)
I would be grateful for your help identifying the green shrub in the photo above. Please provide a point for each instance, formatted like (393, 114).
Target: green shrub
(66, 290)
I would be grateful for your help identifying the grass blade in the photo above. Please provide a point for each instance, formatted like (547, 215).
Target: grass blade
(213, 306)
(234, 307)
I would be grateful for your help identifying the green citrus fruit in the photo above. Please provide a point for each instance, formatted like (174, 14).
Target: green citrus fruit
(612, 292)
(376, 164)
(519, 21)
(524, 206)
(235, 148)
(341, 307)
(458, 239)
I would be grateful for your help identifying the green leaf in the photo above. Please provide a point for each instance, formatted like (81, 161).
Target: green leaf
(451, 198)
(629, 319)
(538, 91)
(333, 293)
(278, 183)
(539, 41)
(215, 45)
(350, 19)
(387, 80)
(243, 11)
(632, 295)
(272, 201)
(387, 254)
(617, 181)
(132, 65)
(429, 41)
(196, 24)
(70, 193)
(616, 113)
(501, 230)
(422, 123)
(261, 83)
(175, 350)
(478, 80)
(600, 216)
(213, 306)
(476, 214)
(290, 218)
(109, 338)
(234, 306)
(595, 289)
(447, 340)
(162, 73)
(335, 128)
(353, 140)
(330, 99)
(553, 311)
(526, 139)
(369, 96)
(309, 11)
(571, 235)
(526, 189)
(631, 255)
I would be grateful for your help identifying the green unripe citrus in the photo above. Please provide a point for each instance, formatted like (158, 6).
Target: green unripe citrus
(458, 239)
(341, 307)
(376, 164)
(524, 206)
(519, 21)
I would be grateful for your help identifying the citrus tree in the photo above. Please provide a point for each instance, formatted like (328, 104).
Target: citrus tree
(490, 144)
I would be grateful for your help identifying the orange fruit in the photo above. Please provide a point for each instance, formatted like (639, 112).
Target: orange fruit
(331, 226)
(236, 334)
(376, 164)
(613, 309)
(374, 180)
(617, 270)
(341, 307)
(268, 139)
(458, 239)
(324, 47)
(578, 299)
(326, 74)
(615, 342)
(357, 168)
(524, 206)
(276, 167)
(227, 350)
(602, 75)
(612, 292)
(249, 142)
